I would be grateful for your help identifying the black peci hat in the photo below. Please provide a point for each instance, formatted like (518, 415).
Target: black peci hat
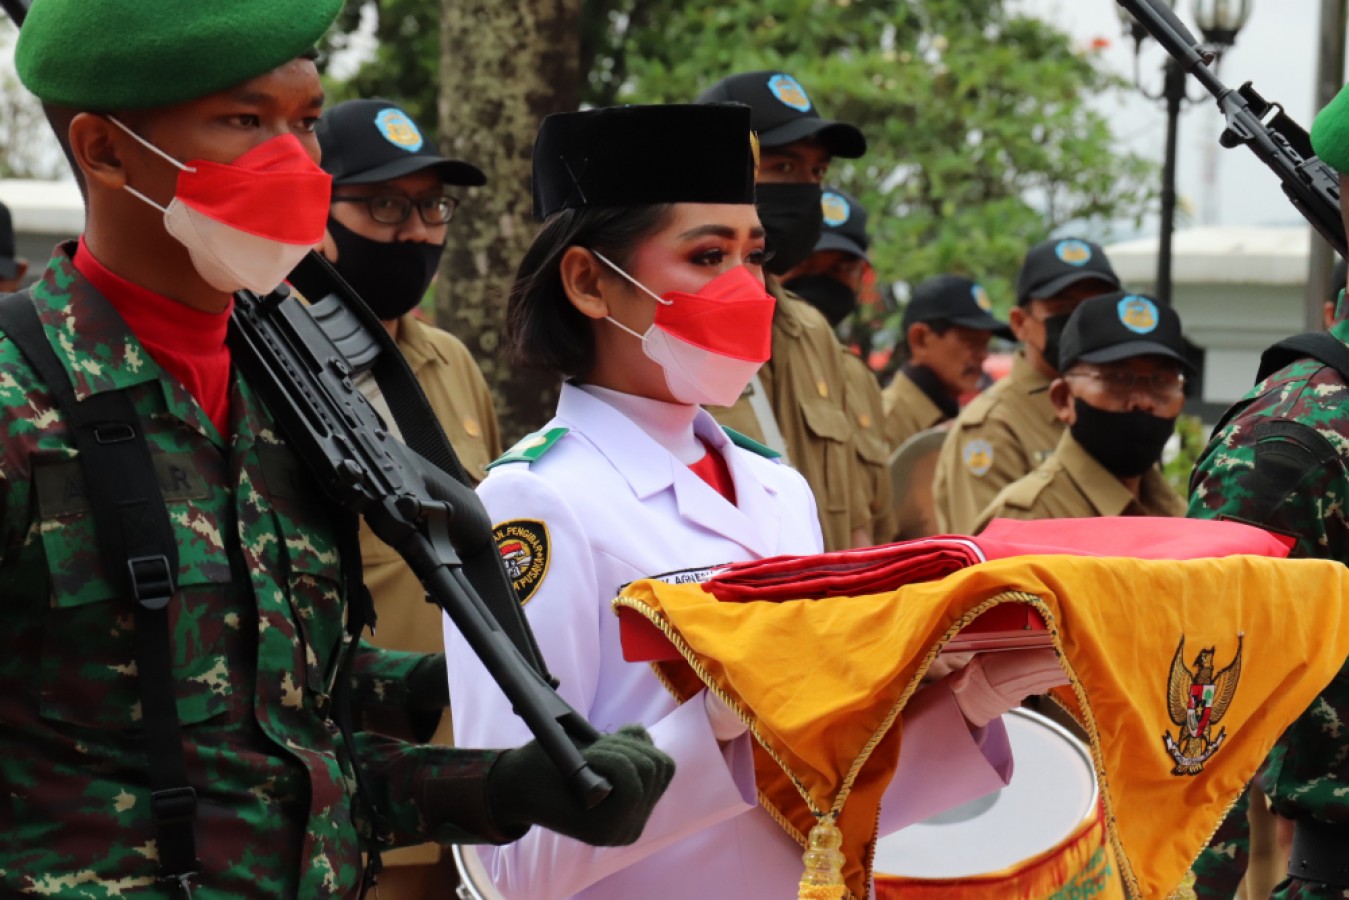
(1121, 326)
(365, 141)
(783, 112)
(1059, 263)
(643, 155)
(845, 224)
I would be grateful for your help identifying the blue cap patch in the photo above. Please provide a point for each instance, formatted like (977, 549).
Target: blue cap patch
(836, 209)
(1138, 314)
(399, 130)
(788, 90)
(981, 297)
(1073, 252)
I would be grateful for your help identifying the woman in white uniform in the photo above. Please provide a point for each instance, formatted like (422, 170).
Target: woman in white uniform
(644, 291)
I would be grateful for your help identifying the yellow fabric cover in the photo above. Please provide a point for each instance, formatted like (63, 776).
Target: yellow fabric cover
(821, 682)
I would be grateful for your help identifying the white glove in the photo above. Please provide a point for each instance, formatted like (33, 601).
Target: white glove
(996, 682)
(726, 725)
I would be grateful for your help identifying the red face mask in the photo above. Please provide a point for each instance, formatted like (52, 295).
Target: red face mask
(709, 343)
(246, 224)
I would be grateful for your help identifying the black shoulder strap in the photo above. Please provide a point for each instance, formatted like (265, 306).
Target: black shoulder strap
(140, 556)
(1321, 346)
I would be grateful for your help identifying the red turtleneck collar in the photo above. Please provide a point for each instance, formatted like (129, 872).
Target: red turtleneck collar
(187, 343)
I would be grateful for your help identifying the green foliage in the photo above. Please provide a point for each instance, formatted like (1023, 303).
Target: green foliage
(405, 64)
(1193, 440)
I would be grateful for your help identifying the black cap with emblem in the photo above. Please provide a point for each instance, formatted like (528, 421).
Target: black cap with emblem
(1058, 263)
(954, 299)
(1121, 326)
(366, 141)
(644, 155)
(784, 113)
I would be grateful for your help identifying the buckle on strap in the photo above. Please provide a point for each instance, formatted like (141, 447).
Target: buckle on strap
(173, 806)
(151, 580)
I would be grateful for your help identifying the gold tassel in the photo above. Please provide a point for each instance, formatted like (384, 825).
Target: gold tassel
(823, 878)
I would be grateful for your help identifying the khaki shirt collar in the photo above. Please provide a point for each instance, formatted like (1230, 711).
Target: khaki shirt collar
(1028, 380)
(784, 316)
(416, 347)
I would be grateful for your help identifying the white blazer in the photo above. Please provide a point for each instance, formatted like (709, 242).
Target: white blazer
(615, 506)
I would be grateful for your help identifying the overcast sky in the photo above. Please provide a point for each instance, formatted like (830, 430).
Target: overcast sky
(1276, 50)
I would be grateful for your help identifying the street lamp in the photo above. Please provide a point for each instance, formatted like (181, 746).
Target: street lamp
(1219, 21)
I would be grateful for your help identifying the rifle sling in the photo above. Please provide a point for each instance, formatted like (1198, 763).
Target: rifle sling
(140, 557)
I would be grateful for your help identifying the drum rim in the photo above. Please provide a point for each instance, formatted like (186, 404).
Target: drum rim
(469, 864)
(1083, 749)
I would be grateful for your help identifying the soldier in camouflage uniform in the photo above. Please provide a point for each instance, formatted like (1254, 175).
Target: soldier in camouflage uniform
(1281, 461)
(258, 613)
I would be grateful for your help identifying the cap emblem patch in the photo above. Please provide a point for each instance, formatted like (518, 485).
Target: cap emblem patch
(1138, 314)
(1073, 252)
(836, 209)
(789, 91)
(399, 130)
(978, 456)
(981, 297)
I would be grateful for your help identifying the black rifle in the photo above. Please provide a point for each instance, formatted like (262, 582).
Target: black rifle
(436, 523)
(1276, 139)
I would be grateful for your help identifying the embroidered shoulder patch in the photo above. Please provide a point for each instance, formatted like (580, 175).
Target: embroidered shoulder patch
(524, 548)
(978, 455)
(530, 447)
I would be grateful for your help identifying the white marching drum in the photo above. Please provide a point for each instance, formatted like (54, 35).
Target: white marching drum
(473, 881)
(1052, 792)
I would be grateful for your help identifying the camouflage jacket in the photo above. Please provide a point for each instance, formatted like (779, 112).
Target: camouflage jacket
(1282, 462)
(257, 627)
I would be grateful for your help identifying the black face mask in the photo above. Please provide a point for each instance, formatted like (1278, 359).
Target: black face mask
(391, 278)
(1127, 444)
(1053, 331)
(827, 294)
(792, 216)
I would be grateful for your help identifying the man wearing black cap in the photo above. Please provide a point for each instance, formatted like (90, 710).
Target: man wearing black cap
(12, 267)
(946, 327)
(830, 280)
(1122, 387)
(1011, 428)
(393, 198)
(801, 391)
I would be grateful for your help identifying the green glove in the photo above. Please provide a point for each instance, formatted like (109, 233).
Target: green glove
(525, 788)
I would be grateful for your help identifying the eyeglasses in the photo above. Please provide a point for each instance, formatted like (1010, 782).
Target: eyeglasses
(394, 209)
(1123, 382)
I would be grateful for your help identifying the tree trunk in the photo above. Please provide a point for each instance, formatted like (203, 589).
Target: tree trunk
(503, 67)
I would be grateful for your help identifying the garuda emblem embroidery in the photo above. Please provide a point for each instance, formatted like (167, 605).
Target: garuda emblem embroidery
(1196, 701)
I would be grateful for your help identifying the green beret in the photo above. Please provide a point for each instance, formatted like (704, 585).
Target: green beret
(145, 54)
(1330, 133)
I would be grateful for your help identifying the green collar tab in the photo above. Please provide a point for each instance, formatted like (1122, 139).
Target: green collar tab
(748, 443)
(530, 447)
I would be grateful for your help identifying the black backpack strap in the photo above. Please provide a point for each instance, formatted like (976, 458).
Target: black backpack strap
(140, 556)
(1321, 346)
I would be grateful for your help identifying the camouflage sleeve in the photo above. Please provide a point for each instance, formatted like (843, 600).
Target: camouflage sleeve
(1222, 865)
(400, 686)
(431, 793)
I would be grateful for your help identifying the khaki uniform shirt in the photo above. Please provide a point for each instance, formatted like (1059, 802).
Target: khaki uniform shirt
(807, 392)
(1000, 436)
(908, 410)
(866, 410)
(1071, 484)
(462, 402)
